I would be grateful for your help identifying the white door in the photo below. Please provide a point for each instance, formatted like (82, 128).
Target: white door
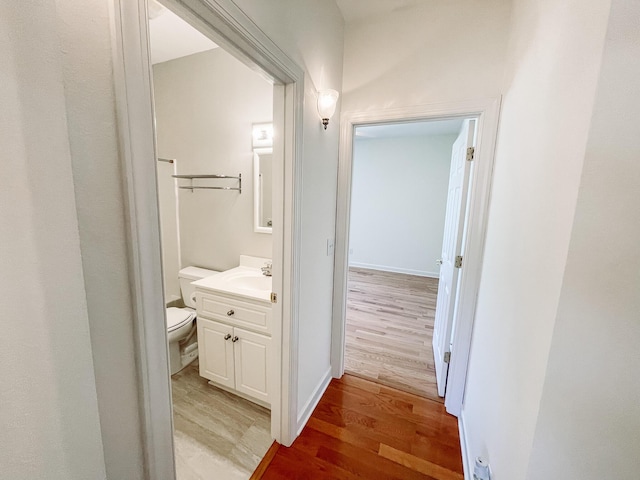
(216, 352)
(451, 248)
(252, 353)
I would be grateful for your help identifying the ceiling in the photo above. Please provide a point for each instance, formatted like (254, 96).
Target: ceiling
(171, 37)
(410, 129)
(356, 10)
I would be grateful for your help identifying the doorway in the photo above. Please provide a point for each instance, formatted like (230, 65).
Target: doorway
(399, 207)
(214, 138)
(230, 28)
(485, 112)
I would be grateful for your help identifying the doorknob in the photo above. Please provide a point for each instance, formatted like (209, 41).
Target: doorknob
(439, 262)
(227, 336)
(235, 339)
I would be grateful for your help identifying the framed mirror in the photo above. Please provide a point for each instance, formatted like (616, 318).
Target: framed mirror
(262, 185)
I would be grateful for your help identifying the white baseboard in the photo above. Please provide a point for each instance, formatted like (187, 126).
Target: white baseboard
(464, 446)
(311, 404)
(386, 268)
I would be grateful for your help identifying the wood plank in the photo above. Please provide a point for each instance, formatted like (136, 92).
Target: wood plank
(389, 330)
(363, 430)
(418, 464)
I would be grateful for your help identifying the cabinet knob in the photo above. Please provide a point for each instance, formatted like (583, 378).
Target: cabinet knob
(230, 312)
(227, 336)
(235, 339)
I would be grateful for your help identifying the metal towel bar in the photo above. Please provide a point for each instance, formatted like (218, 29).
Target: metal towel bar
(193, 187)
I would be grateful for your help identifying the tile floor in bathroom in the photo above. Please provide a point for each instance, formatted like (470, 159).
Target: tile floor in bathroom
(217, 435)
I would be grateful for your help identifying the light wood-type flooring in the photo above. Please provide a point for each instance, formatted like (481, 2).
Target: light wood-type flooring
(217, 435)
(389, 330)
(364, 430)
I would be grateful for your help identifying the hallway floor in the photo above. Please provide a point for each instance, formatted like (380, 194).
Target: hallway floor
(361, 429)
(390, 318)
(216, 434)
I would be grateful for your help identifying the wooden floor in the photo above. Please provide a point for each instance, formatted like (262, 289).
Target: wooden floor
(216, 434)
(363, 430)
(389, 330)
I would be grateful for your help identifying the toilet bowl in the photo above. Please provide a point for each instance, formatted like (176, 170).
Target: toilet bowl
(181, 322)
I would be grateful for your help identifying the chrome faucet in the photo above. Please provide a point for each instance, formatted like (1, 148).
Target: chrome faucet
(266, 270)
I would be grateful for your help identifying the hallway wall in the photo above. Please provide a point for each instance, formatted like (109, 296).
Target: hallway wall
(588, 426)
(311, 33)
(433, 52)
(554, 62)
(49, 406)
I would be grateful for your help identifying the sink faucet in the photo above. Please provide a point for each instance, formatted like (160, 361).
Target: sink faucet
(266, 270)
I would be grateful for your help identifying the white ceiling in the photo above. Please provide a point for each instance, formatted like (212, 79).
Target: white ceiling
(171, 37)
(356, 10)
(411, 129)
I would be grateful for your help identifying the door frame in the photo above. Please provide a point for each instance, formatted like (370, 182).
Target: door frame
(229, 27)
(486, 111)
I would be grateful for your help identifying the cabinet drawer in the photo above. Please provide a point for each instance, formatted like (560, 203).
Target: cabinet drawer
(234, 312)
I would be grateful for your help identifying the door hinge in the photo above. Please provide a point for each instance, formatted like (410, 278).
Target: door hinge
(470, 152)
(447, 357)
(458, 263)
(274, 297)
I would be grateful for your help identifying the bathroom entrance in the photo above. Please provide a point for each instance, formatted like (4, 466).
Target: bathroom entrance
(214, 134)
(221, 157)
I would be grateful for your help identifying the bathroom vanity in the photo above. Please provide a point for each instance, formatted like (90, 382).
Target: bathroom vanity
(234, 330)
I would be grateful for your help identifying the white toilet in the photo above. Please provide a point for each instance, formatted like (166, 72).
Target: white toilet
(181, 322)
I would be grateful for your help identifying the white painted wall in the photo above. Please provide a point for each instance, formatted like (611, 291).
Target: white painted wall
(205, 106)
(555, 52)
(50, 412)
(588, 426)
(398, 203)
(85, 49)
(168, 210)
(436, 51)
(311, 33)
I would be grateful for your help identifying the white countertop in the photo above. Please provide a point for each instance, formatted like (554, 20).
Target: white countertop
(244, 281)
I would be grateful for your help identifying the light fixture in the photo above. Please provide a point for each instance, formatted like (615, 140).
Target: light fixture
(327, 100)
(262, 135)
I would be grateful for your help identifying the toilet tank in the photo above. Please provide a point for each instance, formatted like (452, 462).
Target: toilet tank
(188, 275)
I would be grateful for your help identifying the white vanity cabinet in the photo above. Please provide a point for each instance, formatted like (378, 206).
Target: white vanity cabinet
(234, 343)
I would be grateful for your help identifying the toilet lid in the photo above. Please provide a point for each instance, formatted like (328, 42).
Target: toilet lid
(177, 317)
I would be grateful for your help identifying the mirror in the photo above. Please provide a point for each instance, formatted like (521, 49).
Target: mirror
(262, 183)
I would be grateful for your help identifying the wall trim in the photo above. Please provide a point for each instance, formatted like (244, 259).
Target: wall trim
(386, 268)
(486, 110)
(313, 401)
(229, 27)
(464, 447)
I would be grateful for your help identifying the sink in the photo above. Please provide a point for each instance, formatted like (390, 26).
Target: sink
(250, 281)
(244, 281)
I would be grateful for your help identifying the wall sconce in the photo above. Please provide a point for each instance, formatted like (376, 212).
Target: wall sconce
(327, 100)
(262, 135)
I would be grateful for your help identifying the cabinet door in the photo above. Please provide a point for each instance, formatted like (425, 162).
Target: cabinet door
(252, 354)
(216, 353)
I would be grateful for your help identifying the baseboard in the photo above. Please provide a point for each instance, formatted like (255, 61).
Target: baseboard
(464, 447)
(311, 404)
(386, 268)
